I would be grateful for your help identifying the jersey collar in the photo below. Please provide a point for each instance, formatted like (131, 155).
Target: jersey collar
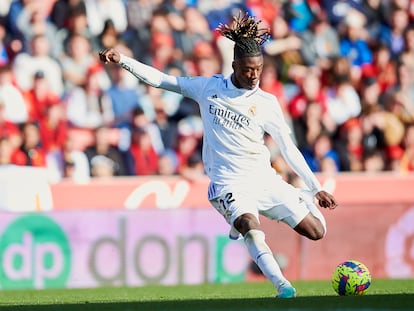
(246, 92)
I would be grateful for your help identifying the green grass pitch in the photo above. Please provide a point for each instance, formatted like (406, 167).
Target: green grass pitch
(315, 295)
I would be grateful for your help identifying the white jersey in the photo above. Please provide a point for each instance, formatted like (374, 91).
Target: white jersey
(234, 123)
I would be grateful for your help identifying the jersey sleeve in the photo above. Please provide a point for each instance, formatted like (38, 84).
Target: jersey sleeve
(297, 162)
(149, 75)
(192, 87)
(275, 123)
(280, 131)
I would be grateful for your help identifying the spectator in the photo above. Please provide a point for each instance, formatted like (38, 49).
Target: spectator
(337, 11)
(321, 149)
(9, 129)
(269, 82)
(143, 157)
(53, 128)
(33, 20)
(392, 34)
(284, 47)
(188, 143)
(5, 7)
(194, 168)
(400, 99)
(77, 25)
(139, 14)
(140, 121)
(31, 152)
(343, 100)
(370, 94)
(383, 68)
(77, 61)
(383, 131)
(407, 160)
(354, 46)
(309, 111)
(62, 11)
(103, 167)
(225, 50)
(166, 126)
(265, 10)
(309, 126)
(68, 163)
(320, 44)
(167, 164)
(350, 146)
(98, 11)
(328, 166)
(402, 106)
(310, 91)
(298, 14)
(163, 51)
(6, 151)
(15, 9)
(206, 62)
(159, 22)
(195, 30)
(104, 158)
(407, 55)
(123, 97)
(373, 161)
(174, 10)
(15, 109)
(39, 98)
(375, 15)
(86, 105)
(38, 59)
(4, 53)
(109, 37)
(221, 11)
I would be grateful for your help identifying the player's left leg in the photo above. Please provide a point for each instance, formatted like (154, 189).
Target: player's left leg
(313, 225)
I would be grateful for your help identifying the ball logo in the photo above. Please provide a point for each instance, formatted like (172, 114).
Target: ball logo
(34, 253)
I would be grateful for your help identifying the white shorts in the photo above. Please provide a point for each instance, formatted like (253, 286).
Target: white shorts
(275, 199)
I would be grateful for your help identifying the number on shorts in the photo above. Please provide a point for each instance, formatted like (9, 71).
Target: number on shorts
(227, 200)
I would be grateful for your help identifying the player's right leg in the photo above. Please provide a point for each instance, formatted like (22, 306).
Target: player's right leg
(254, 238)
(239, 210)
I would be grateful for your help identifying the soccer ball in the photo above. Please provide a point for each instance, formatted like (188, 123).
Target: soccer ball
(351, 278)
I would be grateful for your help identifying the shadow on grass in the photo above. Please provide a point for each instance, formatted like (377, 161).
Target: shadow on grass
(369, 302)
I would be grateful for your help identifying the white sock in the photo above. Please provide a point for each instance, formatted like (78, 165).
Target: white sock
(263, 257)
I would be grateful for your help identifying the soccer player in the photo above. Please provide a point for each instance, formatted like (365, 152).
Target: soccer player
(236, 113)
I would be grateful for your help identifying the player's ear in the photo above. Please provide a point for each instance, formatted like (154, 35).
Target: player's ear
(233, 65)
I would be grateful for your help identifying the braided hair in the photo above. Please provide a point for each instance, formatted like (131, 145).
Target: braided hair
(246, 34)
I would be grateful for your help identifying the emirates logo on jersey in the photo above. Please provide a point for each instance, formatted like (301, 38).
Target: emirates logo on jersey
(252, 111)
(228, 118)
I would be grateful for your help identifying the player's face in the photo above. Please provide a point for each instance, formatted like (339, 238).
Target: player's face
(247, 72)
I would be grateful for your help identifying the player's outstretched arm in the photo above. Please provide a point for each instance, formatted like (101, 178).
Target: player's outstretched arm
(297, 162)
(143, 72)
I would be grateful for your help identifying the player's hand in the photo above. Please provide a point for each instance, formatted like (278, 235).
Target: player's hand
(109, 56)
(326, 200)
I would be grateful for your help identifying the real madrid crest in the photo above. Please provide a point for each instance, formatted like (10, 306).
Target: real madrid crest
(252, 111)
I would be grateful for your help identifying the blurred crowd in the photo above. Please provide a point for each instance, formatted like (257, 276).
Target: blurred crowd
(343, 72)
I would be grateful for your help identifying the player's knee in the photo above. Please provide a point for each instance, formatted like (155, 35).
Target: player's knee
(245, 223)
(311, 227)
(316, 233)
